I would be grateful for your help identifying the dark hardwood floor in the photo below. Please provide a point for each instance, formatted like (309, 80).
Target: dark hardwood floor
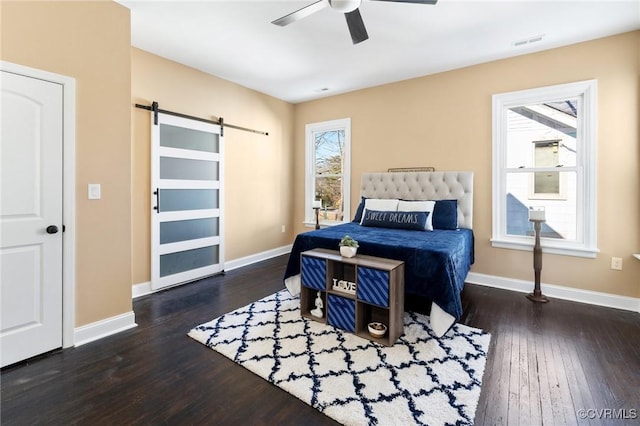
(546, 362)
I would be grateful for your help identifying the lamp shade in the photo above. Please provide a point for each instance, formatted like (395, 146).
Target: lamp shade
(536, 213)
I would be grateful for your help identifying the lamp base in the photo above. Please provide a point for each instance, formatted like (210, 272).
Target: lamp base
(540, 298)
(317, 209)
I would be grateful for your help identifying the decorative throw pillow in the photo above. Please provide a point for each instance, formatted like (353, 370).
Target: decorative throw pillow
(358, 216)
(419, 206)
(394, 219)
(380, 204)
(445, 214)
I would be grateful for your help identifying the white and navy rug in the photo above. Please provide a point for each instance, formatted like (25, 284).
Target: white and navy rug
(420, 380)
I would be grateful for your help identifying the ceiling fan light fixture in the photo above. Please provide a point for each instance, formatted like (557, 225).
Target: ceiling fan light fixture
(350, 9)
(345, 6)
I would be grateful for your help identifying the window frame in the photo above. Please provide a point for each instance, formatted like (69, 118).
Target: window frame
(310, 175)
(585, 244)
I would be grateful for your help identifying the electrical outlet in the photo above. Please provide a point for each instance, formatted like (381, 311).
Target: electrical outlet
(284, 228)
(616, 263)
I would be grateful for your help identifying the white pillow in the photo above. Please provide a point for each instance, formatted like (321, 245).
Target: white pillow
(419, 206)
(380, 204)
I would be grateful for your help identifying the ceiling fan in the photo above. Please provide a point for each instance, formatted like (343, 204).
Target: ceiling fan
(350, 10)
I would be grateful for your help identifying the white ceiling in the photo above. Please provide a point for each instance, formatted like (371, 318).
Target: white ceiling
(236, 41)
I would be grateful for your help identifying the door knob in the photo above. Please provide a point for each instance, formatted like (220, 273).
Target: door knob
(52, 229)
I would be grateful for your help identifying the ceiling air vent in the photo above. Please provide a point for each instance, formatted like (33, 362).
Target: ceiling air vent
(529, 40)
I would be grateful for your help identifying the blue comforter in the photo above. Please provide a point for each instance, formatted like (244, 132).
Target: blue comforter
(436, 262)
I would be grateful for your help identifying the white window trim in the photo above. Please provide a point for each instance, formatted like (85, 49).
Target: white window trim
(310, 129)
(586, 246)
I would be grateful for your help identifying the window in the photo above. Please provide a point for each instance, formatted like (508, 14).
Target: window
(544, 156)
(328, 158)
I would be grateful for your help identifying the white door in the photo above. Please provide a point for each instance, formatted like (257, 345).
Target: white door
(186, 178)
(30, 217)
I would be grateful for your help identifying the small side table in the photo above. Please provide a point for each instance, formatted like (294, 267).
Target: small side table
(537, 295)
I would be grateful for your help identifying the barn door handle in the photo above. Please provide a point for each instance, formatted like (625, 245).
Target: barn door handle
(157, 194)
(52, 229)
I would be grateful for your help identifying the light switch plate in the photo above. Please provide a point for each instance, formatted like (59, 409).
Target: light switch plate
(94, 191)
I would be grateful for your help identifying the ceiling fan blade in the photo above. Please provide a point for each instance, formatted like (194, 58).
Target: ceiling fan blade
(301, 13)
(413, 1)
(356, 26)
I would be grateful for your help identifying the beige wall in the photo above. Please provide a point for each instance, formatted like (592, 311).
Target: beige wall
(258, 169)
(444, 120)
(89, 41)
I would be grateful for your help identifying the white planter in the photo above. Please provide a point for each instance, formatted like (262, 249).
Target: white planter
(346, 251)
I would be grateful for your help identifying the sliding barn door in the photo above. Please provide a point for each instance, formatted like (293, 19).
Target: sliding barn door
(187, 193)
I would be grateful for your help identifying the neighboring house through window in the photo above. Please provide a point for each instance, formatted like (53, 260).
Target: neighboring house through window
(544, 155)
(327, 167)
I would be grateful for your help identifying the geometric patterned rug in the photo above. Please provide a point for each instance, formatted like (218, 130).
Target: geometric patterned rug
(419, 380)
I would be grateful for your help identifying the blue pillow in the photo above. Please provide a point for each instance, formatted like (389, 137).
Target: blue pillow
(445, 214)
(358, 216)
(394, 219)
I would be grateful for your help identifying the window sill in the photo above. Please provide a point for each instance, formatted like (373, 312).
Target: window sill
(546, 248)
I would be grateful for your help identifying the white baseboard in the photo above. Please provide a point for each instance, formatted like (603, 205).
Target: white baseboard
(560, 292)
(143, 289)
(103, 328)
(255, 258)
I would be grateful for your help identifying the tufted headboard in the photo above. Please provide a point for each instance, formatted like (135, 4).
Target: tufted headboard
(424, 186)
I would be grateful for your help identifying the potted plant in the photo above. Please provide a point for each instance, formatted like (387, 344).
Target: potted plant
(348, 246)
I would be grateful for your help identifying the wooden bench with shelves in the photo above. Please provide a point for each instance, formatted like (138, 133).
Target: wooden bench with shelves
(354, 292)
